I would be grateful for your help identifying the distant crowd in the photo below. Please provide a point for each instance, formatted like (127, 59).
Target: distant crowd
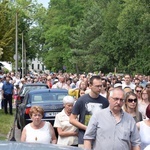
(126, 97)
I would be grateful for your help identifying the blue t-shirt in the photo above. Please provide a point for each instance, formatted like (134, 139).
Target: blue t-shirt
(8, 88)
(85, 106)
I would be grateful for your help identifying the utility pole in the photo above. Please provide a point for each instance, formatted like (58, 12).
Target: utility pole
(16, 46)
(22, 56)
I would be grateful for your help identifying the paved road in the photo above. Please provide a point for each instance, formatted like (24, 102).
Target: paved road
(17, 133)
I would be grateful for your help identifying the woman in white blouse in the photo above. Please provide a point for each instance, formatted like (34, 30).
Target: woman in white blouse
(67, 133)
(38, 131)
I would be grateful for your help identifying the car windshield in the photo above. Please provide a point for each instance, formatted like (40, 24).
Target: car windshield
(41, 97)
(27, 88)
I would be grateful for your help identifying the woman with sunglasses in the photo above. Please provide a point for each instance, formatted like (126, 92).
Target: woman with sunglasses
(144, 130)
(142, 105)
(138, 90)
(131, 106)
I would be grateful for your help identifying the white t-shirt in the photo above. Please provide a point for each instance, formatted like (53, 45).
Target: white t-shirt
(42, 135)
(147, 147)
(144, 134)
(62, 121)
(61, 85)
(131, 85)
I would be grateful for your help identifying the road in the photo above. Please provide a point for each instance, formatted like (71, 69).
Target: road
(17, 133)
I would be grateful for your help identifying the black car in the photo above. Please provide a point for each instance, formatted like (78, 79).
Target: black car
(26, 87)
(51, 100)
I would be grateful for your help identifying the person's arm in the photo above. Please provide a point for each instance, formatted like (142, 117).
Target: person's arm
(54, 139)
(135, 136)
(73, 120)
(13, 90)
(87, 144)
(23, 135)
(2, 94)
(66, 133)
(3, 91)
(135, 148)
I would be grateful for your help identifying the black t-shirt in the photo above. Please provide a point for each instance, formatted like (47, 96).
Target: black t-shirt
(85, 106)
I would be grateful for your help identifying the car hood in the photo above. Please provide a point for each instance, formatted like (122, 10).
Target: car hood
(9, 145)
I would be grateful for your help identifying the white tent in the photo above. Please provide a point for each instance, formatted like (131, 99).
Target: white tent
(6, 65)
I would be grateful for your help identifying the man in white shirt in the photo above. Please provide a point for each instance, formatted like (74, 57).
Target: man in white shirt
(127, 82)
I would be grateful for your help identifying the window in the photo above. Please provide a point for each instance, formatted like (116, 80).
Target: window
(32, 66)
(38, 67)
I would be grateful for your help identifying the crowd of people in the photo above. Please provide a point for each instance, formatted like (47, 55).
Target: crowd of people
(101, 112)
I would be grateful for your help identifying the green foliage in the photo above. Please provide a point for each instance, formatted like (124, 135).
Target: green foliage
(120, 38)
(7, 31)
(27, 13)
(6, 123)
(61, 19)
(82, 35)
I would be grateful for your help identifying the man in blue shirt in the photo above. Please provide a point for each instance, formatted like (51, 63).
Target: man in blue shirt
(7, 91)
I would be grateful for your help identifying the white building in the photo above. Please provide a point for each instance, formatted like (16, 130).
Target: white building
(36, 65)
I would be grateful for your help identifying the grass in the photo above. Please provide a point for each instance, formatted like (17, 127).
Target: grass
(6, 123)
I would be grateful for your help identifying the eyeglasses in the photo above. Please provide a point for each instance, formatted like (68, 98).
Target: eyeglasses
(132, 100)
(117, 99)
(138, 91)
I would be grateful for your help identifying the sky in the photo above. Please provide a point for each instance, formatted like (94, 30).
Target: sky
(44, 2)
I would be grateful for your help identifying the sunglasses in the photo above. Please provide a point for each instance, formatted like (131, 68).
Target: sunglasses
(132, 100)
(138, 91)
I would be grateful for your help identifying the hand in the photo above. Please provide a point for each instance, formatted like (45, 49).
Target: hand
(75, 133)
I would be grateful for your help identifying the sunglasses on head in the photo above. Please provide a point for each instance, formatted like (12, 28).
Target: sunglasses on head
(138, 91)
(132, 100)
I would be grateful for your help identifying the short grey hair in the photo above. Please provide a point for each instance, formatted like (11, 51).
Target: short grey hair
(68, 99)
(116, 89)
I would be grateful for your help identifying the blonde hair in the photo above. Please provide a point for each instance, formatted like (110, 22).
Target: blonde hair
(136, 108)
(36, 109)
(148, 93)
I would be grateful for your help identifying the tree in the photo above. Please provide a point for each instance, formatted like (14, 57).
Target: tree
(133, 25)
(7, 32)
(61, 19)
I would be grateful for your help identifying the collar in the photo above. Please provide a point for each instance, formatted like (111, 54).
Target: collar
(110, 111)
